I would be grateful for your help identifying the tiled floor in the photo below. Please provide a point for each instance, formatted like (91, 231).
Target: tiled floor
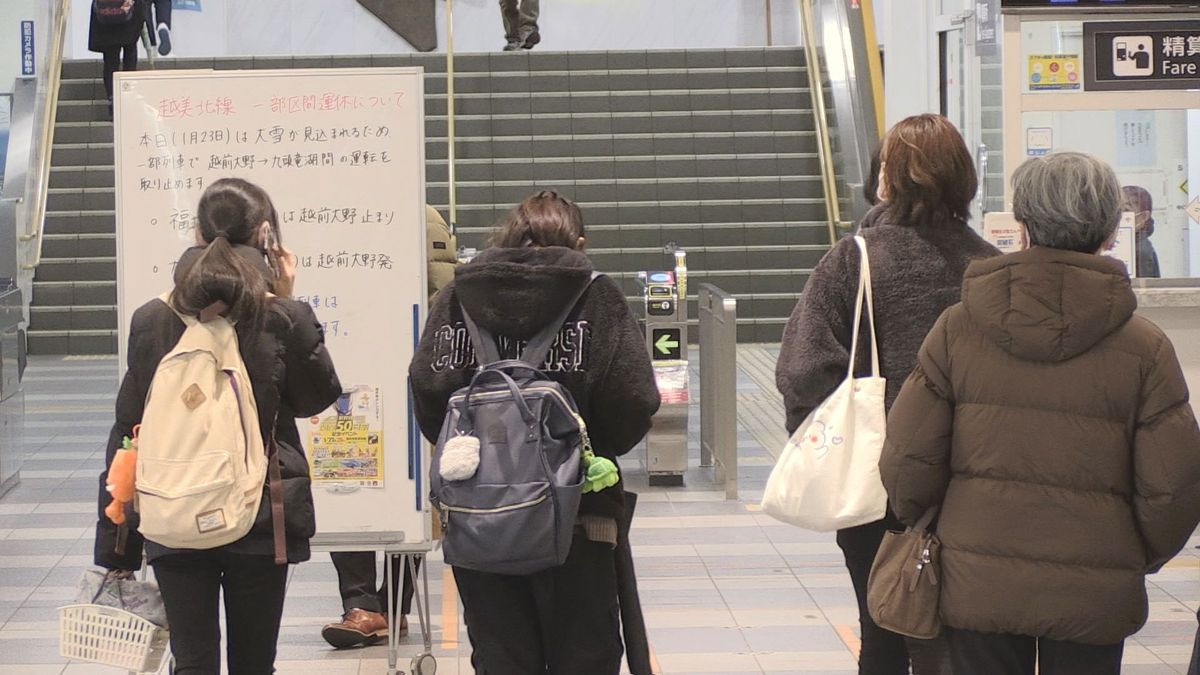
(725, 589)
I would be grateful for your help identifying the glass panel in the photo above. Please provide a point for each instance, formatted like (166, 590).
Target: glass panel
(953, 78)
(1149, 149)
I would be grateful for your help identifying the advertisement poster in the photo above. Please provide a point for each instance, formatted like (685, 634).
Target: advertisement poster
(1054, 72)
(345, 443)
(1002, 230)
(1136, 142)
(1039, 141)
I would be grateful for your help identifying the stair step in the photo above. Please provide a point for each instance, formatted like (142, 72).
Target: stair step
(79, 245)
(71, 341)
(100, 268)
(80, 293)
(81, 222)
(73, 318)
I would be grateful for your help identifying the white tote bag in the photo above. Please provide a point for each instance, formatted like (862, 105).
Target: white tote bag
(828, 475)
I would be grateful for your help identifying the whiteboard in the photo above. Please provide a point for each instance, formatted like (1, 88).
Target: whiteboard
(341, 152)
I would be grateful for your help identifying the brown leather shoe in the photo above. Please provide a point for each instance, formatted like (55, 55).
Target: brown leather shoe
(357, 627)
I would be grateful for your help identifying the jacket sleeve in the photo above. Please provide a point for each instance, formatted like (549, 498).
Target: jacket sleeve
(1166, 460)
(434, 380)
(624, 397)
(310, 382)
(142, 357)
(816, 342)
(915, 464)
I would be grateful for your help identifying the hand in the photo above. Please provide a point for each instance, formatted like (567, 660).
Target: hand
(123, 575)
(285, 267)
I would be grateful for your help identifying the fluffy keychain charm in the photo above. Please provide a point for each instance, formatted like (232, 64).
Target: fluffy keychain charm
(460, 458)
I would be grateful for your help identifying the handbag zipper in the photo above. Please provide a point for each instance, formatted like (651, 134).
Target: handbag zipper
(498, 509)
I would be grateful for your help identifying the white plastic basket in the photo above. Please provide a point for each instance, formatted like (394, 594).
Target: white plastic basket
(111, 637)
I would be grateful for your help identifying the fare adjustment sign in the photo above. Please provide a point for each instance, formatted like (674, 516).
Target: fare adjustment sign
(1141, 55)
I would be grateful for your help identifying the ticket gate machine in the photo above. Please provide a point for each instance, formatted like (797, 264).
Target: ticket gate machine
(665, 299)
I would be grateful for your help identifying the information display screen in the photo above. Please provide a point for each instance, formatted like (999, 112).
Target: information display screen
(1091, 4)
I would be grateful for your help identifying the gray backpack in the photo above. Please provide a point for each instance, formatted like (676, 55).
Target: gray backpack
(507, 471)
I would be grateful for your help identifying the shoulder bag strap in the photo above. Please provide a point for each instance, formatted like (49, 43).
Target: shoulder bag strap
(275, 490)
(864, 294)
(538, 347)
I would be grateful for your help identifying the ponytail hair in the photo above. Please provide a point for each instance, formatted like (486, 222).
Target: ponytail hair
(543, 219)
(230, 213)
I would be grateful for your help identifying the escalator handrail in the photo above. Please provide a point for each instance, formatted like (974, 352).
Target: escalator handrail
(833, 211)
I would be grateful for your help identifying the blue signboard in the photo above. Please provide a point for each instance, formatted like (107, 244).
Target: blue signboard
(28, 67)
(186, 5)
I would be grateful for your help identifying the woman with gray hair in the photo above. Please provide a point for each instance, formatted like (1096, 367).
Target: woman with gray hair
(1051, 426)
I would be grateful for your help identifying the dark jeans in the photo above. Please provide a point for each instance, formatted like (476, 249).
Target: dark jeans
(519, 18)
(356, 582)
(563, 621)
(162, 14)
(114, 60)
(884, 652)
(995, 654)
(191, 585)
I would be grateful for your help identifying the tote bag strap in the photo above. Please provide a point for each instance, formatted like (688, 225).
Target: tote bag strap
(864, 294)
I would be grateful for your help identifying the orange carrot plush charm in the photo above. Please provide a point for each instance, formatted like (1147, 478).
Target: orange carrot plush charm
(122, 479)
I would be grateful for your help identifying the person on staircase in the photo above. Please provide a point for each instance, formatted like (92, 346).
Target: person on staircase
(520, 24)
(364, 603)
(113, 31)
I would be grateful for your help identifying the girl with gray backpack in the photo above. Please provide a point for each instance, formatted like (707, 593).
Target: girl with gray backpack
(532, 378)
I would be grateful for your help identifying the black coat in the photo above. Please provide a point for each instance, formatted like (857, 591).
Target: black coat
(917, 273)
(103, 36)
(600, 355)
(291, 375)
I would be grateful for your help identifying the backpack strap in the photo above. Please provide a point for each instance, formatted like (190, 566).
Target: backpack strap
(538, 347)
(487, 351)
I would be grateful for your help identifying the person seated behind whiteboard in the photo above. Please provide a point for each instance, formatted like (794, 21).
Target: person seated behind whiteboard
(283, 347)
(364, 603)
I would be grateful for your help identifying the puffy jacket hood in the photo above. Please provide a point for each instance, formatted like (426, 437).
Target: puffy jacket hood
(516, 292)
(250, 254)
(1046, 304)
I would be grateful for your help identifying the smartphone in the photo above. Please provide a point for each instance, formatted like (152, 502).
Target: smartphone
(270, 249)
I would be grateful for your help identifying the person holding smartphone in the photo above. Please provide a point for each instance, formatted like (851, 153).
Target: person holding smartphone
(240, 261)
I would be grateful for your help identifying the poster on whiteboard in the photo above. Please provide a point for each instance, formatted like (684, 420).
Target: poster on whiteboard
(341, 153)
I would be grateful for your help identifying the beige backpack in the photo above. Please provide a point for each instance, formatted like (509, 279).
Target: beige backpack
(201, 462)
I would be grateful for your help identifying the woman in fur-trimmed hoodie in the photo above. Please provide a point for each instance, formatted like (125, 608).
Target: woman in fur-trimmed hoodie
(563, 621)
(920, 245)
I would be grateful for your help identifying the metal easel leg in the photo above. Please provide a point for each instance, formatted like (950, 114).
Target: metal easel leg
(425, 663)
(393, 629)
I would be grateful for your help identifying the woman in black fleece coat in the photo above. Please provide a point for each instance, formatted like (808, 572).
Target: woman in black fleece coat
(562, 621)
(291, 374)
(920, 245)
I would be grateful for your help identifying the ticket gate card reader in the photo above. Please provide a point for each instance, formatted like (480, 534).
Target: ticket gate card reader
(666, 341)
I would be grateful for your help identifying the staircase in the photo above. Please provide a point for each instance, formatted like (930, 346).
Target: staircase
(713, 150)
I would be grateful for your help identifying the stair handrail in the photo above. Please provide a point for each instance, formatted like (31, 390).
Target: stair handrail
(812, 57)
(36, 191)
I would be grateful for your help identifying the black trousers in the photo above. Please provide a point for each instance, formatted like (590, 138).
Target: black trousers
(118, 58)
(191, 585)
(563, 621)
(884, 652)
(1194, 666)
(356, 582)
(996, 654)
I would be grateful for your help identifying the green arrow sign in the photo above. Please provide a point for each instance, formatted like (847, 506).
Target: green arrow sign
(666, 344)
